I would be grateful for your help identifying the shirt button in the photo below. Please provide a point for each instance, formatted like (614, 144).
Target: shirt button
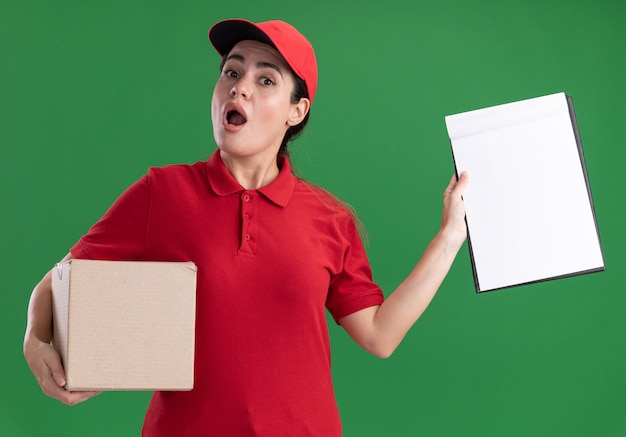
(247, 216)
(246, 198)
(247, 237)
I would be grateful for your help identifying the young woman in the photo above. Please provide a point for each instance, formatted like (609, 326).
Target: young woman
(273, 252)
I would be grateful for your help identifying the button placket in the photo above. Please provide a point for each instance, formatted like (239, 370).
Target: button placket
(248, 223)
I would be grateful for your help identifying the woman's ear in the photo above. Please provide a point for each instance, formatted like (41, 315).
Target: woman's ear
(298, 111)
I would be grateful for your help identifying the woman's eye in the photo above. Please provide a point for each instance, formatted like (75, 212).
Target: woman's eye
(231, 73)
(267, 81)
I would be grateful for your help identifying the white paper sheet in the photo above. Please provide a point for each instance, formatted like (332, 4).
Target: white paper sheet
(529, 211)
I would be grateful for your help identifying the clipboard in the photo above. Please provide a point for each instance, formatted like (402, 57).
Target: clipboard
(529, 208)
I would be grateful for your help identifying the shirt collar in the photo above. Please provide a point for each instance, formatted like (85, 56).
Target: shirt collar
(223, 183)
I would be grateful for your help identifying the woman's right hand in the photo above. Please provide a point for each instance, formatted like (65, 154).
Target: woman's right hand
(45, 363)
(43, 360)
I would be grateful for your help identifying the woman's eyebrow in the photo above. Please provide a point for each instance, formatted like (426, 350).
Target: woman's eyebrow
(260, 64)
(236, 57)
(263, 64)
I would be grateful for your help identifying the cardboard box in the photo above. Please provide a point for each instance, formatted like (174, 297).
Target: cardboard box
(125, 325)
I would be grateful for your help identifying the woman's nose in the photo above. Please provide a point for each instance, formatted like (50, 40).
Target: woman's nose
(242, 87)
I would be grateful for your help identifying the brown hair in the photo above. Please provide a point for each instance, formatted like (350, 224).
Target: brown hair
(327, 198)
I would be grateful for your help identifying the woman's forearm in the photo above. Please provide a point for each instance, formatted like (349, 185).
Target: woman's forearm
(408, 302)
(39, 316)
(39, 319)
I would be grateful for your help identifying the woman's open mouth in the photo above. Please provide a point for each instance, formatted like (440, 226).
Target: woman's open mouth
(235, 118)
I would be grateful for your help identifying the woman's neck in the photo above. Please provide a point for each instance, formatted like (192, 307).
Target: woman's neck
(251, 173)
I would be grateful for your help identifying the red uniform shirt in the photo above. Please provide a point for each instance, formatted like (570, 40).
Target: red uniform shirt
(269, 262)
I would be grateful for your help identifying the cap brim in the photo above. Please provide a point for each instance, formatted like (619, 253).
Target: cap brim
(225, 34)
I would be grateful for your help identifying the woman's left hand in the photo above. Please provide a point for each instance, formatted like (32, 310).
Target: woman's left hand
(453, 217)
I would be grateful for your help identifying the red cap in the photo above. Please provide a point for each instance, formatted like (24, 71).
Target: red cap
(291, 44)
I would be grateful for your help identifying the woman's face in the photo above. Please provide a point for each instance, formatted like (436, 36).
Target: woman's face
(251, 107)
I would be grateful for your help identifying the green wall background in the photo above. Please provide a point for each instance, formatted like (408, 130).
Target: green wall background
(93, 93)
